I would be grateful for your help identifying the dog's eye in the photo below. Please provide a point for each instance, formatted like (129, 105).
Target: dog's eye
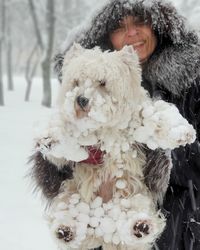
(76, 83)
(102, 83)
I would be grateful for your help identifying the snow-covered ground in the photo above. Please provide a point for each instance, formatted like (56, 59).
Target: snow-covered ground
(22, 226)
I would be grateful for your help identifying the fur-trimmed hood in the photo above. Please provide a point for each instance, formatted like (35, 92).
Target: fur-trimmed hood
(175, 63)
(174, 68)
(167, 24)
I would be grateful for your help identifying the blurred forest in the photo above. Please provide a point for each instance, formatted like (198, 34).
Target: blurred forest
(32, 30)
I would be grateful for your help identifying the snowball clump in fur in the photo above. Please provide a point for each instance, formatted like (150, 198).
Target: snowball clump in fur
(113, 221)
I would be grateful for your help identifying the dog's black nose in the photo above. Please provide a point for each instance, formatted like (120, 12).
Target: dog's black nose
(82, 101)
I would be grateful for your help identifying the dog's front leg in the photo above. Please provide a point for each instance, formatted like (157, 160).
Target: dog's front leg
(162, 126)
(56, 143)
(48, 133)
(61, 150)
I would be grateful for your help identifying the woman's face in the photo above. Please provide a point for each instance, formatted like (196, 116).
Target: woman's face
(138, 34)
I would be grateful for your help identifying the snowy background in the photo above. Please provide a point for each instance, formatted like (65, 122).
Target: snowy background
(22, 226)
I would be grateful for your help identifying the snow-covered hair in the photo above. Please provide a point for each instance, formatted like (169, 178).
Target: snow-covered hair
(167, 24)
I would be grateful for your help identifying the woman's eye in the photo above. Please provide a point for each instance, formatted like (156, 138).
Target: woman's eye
(120, 29)
(102, 83)
(141, 23)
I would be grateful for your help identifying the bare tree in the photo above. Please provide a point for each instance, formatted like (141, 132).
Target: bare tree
(69, 13)
(46, 63)
(2, 33)
(46, 49)
(36, 23)
(1, 76)
(31, 68)
(8, 42)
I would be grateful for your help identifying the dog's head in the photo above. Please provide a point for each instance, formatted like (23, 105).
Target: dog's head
(99, 88)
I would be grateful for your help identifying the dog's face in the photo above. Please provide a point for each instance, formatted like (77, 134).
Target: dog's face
(99, 88)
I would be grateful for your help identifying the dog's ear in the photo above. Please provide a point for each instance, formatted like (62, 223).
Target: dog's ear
(129, 55)
(75, 50)
(130, 59)
(128, 49)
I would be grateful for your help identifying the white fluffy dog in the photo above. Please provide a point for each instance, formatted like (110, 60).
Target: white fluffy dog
(102, 104)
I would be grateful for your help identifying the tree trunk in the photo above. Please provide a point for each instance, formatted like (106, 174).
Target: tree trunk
(9, 65)
(36, 24)
(1, 77)
(30, 72)
(47, 49)
(46, 63)
(46, 72)
(8, 43)
(2, 34)
(28, 90)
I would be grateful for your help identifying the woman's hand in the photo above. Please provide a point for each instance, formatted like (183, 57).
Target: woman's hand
(106, 190)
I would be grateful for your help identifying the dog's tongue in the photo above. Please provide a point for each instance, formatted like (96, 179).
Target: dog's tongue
(95, 156)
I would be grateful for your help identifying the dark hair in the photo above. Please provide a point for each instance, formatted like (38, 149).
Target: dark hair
(167, 24)
(119, 11)
(116, 11)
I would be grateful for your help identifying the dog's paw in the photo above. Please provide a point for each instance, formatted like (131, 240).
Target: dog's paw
(65, 233)
(46, 144)
(182, 135)
(164, 127)
(141, 228)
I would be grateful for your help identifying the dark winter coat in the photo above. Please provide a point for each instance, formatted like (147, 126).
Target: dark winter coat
(173, 74)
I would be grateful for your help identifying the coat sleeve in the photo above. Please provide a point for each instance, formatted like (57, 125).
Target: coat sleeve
(157, 172)
(182, 200)
(192, 106)
(186, 160)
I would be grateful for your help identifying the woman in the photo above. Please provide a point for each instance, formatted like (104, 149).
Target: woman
(170, 57)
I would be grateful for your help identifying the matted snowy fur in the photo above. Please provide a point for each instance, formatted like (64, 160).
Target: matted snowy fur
(102, 103)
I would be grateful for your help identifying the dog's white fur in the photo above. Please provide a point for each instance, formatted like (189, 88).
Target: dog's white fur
(119, 114)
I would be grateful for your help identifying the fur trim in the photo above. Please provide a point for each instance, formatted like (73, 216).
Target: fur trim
(175, 68)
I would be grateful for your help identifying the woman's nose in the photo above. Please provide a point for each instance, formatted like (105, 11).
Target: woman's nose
(132, 31)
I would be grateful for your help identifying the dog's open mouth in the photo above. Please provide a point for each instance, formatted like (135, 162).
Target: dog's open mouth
(95, 155)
